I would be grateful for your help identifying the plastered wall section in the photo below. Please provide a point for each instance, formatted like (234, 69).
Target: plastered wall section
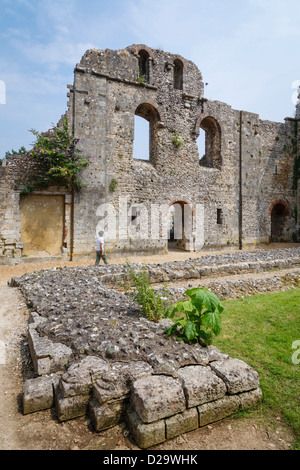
(42, 223)
(13, 244)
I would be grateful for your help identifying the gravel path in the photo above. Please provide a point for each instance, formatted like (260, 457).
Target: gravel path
(41, 432)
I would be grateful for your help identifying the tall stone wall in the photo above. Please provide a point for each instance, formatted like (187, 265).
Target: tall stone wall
(253, 167)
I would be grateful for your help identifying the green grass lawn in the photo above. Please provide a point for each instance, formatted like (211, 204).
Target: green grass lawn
(260, 330)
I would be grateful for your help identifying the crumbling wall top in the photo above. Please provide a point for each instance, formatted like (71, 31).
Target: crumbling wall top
(139, 62)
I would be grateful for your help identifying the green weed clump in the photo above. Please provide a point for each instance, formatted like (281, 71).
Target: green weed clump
(153, 303)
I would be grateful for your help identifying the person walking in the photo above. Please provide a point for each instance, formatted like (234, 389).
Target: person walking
(100, 251)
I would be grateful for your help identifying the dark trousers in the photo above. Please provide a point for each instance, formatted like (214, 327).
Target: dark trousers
(99, 256)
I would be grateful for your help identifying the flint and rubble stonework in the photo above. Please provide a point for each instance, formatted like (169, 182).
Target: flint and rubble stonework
(94, 353)
(244, 183)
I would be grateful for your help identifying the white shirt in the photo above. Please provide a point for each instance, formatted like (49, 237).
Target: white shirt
(100, 241)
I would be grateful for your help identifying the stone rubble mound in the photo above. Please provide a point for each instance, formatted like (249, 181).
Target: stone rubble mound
(93, 352)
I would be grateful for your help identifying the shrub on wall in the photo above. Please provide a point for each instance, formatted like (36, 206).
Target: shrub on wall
(58, 159)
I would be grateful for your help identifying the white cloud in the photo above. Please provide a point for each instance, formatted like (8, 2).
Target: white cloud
(52, 54)
(49, 36)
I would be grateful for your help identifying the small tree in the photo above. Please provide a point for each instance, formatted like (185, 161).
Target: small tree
(22, 150)
(58, 159)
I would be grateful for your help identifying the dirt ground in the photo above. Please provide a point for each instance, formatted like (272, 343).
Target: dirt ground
(42, 430)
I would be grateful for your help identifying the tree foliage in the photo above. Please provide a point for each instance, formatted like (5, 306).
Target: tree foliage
(58, 159)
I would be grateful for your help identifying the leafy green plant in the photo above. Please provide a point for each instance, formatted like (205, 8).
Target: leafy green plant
(113, 185)
(202, 316)
(152, 303)
(28, 190)
(176, 140)
(57, 158)
(141, 79)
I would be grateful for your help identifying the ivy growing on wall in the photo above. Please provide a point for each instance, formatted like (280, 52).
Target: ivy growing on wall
(296, 169)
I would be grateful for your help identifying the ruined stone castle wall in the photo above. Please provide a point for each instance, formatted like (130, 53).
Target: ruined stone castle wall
(230, 191)
(252, 170)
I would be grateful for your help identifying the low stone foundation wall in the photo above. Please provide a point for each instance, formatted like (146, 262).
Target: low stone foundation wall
(155, 407)
(233, 289)
(238, 262)
(93, 353)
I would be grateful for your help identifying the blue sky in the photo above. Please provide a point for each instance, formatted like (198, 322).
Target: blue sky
(247, 51)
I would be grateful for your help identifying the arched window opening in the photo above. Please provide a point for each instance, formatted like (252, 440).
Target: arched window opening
(145, 132)
(279, 223)
(201, 144)
(212, 146)
(141, 145)
(144, 65)
(178, 74)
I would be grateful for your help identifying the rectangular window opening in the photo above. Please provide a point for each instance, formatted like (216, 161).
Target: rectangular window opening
(219, 216)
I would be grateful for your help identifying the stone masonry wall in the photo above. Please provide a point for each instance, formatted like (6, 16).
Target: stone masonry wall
(10, 225)
(256, 167)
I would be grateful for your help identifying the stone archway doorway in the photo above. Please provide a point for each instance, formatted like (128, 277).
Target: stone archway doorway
(279, 218)
(180, 226)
